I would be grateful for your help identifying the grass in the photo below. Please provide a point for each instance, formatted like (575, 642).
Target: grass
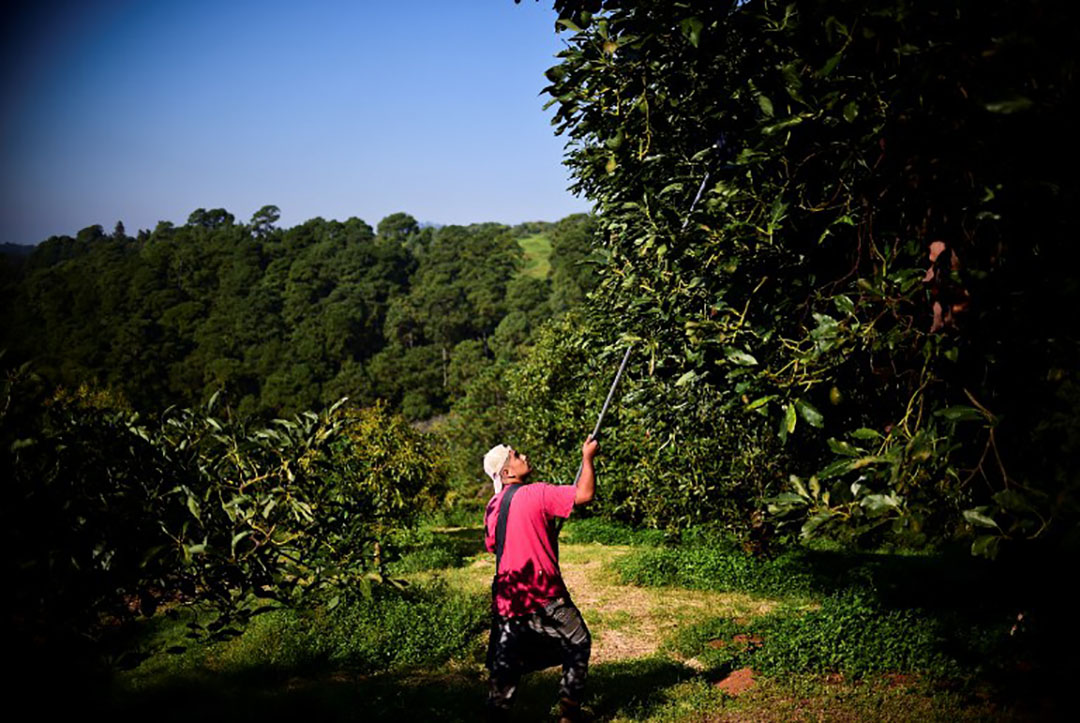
(659, 647)
(537, 250)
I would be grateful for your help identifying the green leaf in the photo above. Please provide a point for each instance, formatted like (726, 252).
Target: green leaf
(979, 518)
(193, 507)
(236, 539)
(555, 73)
(365, 588)
(866, 433)
(810, 413)
(798, 485)
(842, 448)
(844, 304)
(760, 402)
(830, 65)
(851, 112)
(835, 469)
(781, 125)
(876, 505)
(812, 525)
(789, 418)
(766, 105)
(960, 414)
(686, 378)
(866, 461)
(568, 24)
(985, 546)
(1015, 104)
(1012, 501)
(785, 503)
(691, 29)
(740, 357)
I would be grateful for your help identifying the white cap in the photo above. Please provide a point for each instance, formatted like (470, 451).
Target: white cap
(494, 461)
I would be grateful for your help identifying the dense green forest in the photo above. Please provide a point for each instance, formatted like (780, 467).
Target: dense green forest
(282, 320)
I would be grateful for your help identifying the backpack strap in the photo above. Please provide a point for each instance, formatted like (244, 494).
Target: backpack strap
(500, 526)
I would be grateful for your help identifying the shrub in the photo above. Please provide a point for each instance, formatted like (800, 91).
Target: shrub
(424, 625)
(722, 566)
(850, 633)
(425, 558)
(111, 513)
(610, 532)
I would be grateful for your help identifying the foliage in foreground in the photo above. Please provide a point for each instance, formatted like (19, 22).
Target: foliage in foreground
(111, 514)
(420, 626)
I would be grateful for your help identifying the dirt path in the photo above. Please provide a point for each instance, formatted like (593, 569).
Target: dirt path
(627, 621)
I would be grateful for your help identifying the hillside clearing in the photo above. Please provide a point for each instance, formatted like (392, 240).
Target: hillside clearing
(537, 250)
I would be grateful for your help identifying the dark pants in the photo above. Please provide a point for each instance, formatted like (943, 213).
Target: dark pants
(552, 635)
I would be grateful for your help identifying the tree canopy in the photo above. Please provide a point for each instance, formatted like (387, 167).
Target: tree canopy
(279, 320)
(842, 229)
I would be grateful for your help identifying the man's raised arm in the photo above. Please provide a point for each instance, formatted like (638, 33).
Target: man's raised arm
(586, 485)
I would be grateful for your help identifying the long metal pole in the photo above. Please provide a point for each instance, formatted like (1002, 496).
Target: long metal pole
(626, 356)
(603, 410)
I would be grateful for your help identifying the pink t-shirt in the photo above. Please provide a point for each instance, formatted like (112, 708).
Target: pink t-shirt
(528, 575)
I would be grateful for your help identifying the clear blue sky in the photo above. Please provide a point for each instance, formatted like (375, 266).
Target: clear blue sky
(145, 111)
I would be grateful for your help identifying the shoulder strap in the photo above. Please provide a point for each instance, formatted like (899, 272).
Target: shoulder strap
(500, 526)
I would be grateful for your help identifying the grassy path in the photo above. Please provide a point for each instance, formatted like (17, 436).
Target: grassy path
(634, 676)
(626, 622)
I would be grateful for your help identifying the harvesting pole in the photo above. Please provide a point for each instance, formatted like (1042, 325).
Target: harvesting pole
(603, 409)
(626, 356)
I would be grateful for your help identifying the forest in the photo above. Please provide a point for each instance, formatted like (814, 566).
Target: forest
(282, 320)
(838, 240)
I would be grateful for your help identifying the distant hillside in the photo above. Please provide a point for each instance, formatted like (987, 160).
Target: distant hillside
(17, 249)
(285, 319)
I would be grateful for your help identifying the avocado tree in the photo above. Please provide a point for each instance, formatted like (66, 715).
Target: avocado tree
(110, 513)
(847, 227)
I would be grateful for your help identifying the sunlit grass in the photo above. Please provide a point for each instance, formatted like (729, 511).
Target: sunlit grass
(637, 673)
(537, 255)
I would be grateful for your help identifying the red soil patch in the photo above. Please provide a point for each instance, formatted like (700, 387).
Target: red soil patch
(737, 682)
(900, 680)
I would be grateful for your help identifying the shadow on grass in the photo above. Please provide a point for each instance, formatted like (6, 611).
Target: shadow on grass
(464, 541)
(623, 688)
(1014, 607)
(1007, 625)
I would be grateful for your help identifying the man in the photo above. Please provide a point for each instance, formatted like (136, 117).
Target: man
(534, 623)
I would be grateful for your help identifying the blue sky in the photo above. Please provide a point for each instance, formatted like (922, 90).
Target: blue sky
(145, 111)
